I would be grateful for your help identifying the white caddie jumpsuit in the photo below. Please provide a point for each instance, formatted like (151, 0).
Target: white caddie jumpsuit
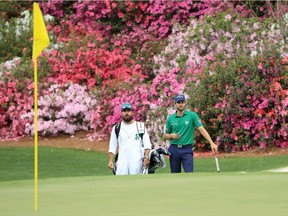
(131, 151)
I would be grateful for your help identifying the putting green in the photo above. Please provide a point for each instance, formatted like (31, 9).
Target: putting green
(162, 194)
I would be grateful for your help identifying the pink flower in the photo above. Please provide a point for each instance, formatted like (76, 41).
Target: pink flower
(30, 86)
(228, 17)
(260, 66)
(120, 14)
(90, 45)
(129, 23)
(264, 103)
(108, 27)
(114, 5)
(277, 86)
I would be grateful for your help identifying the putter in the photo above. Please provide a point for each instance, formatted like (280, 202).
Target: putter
(217, 163)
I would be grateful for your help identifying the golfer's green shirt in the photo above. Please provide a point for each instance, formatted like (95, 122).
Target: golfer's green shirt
(184, 126)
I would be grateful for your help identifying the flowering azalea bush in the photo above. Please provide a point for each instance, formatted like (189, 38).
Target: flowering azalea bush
(138, 26)
(63, 109)
(93, 67)
(215, 83)
(155, 16)
(15, 101)
(104, 53)
(196, 54)
(140, 43)
(247, 105)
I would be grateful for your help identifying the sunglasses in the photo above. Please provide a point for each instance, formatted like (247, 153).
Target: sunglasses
(126, 110)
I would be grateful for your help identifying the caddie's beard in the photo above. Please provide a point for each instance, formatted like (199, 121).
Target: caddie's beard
(127, 118)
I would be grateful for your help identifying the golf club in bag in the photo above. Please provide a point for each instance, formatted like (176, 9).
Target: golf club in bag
(156, 158)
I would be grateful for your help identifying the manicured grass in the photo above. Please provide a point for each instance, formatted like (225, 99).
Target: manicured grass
(17, 163)
(75, 182)
(201, 194)
(247, 164)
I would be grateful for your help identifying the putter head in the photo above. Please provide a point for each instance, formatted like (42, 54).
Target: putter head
(114, 169)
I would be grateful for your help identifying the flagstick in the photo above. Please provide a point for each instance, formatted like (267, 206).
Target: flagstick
(35, 136)
(40, 42)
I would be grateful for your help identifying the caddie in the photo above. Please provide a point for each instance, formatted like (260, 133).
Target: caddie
(133, 151)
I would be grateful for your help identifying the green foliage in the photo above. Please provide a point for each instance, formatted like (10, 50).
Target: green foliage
(15, 39)
(24, 71)
(259, 7)
(181, 60)
(11, 9)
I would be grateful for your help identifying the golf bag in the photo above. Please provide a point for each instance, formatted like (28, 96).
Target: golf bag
(156, 158)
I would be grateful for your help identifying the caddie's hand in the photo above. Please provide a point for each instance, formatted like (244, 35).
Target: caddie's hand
(146, 162)
(110, 165)
(214, 147)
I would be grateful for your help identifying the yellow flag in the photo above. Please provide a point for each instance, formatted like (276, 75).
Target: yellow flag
(40, 42)
(40, 35)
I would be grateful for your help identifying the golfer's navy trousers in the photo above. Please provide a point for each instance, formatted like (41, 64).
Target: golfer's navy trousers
(181, 155)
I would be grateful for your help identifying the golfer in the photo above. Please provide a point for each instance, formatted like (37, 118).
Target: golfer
(180, 128)
(133, 150)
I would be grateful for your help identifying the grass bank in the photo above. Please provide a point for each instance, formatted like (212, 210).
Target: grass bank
(17, 163)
